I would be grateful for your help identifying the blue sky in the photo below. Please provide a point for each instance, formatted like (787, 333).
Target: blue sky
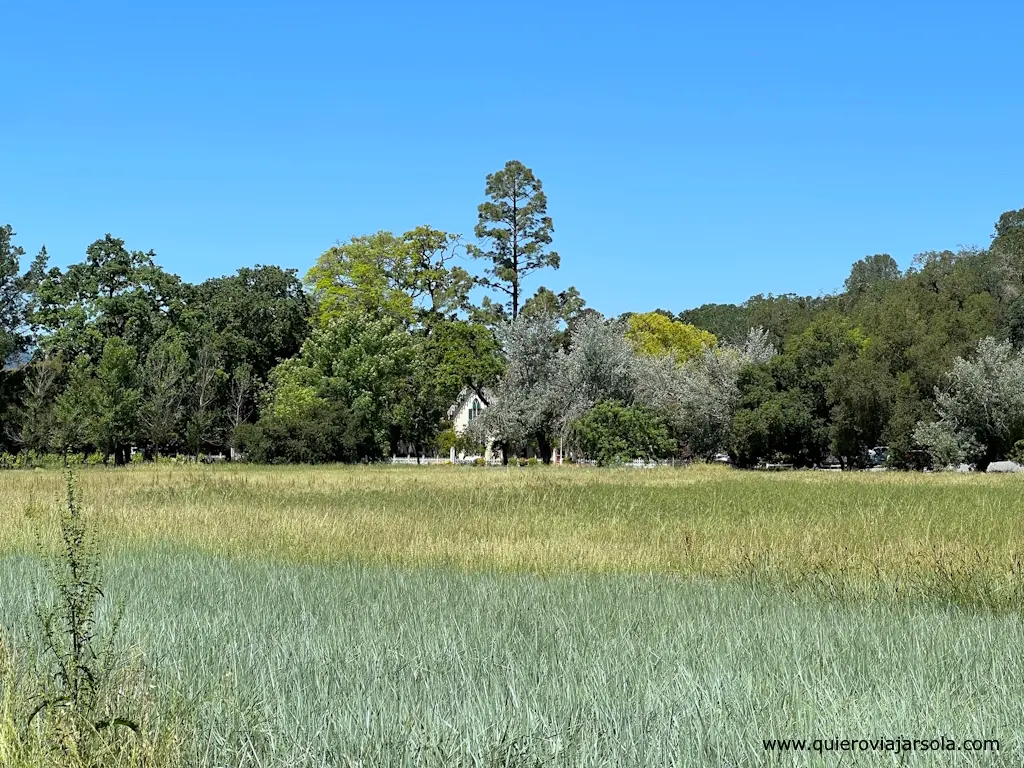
(690, 153)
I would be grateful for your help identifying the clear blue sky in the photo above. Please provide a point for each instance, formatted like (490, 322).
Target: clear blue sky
(690, 153)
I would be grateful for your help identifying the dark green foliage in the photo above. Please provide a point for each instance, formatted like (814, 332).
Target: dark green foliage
(871, 274)
(777, 425)
(517, 230)
(258, 316)
(333, 433)
(860, 395)
(16, 293)
(1017, 454)
(115, 398)
(787, 404)
(612, 433)
(779, 315)
(728, 322)
(465, 355)
(113, 293)
(1013, 322)
(11, 312)
(1008, 243)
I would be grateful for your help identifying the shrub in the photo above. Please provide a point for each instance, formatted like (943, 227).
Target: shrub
(469, 445)
(446, 441)
(612, 433)
(332, 434)
(1017, 452)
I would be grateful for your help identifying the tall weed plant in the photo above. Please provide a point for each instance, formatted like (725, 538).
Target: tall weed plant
(75, 701)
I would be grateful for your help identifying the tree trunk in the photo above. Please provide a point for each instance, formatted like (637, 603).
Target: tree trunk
(544, 445)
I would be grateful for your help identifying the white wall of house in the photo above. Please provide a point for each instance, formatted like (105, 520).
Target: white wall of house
(469, 409)
(465, 411)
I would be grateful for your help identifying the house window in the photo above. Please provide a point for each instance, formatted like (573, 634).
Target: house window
(474, 409)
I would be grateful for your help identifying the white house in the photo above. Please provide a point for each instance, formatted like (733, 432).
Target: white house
(465, 410)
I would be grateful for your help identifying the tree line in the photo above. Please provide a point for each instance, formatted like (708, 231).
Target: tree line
(362, 357)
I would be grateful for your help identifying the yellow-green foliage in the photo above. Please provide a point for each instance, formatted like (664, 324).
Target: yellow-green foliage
(955, 535)
(361, 275)
(655, 335)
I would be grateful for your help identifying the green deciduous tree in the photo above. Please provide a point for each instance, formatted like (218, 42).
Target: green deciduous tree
(165, 383)
(34, 425)
(114, 293)
(362, 365)
(785, 412)
(466, 355)
(411, 278)
(1008, 243)
(259, 316)
(654, 334)
(116, 400)
(871, 273)
(203, 419)
(16, 290)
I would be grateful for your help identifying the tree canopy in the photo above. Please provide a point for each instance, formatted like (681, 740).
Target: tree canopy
(365, 358)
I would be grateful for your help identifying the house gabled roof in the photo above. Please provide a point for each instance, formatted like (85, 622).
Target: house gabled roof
(464, 395)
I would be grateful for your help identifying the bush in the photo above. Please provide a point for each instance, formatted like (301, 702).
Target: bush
(468, 445)
(532, 461)
(1017, 452)
(333, 433)
(29, 460)
(446, 441)
(612, 433)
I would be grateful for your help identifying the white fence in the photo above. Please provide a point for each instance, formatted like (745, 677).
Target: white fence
(438, 460)
(635, 464)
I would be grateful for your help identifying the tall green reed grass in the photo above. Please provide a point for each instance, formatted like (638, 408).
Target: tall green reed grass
(312, 665)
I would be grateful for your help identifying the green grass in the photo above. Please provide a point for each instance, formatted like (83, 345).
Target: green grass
(372, 616)
(293, 665)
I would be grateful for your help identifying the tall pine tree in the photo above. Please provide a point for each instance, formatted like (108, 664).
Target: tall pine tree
(516, 230)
